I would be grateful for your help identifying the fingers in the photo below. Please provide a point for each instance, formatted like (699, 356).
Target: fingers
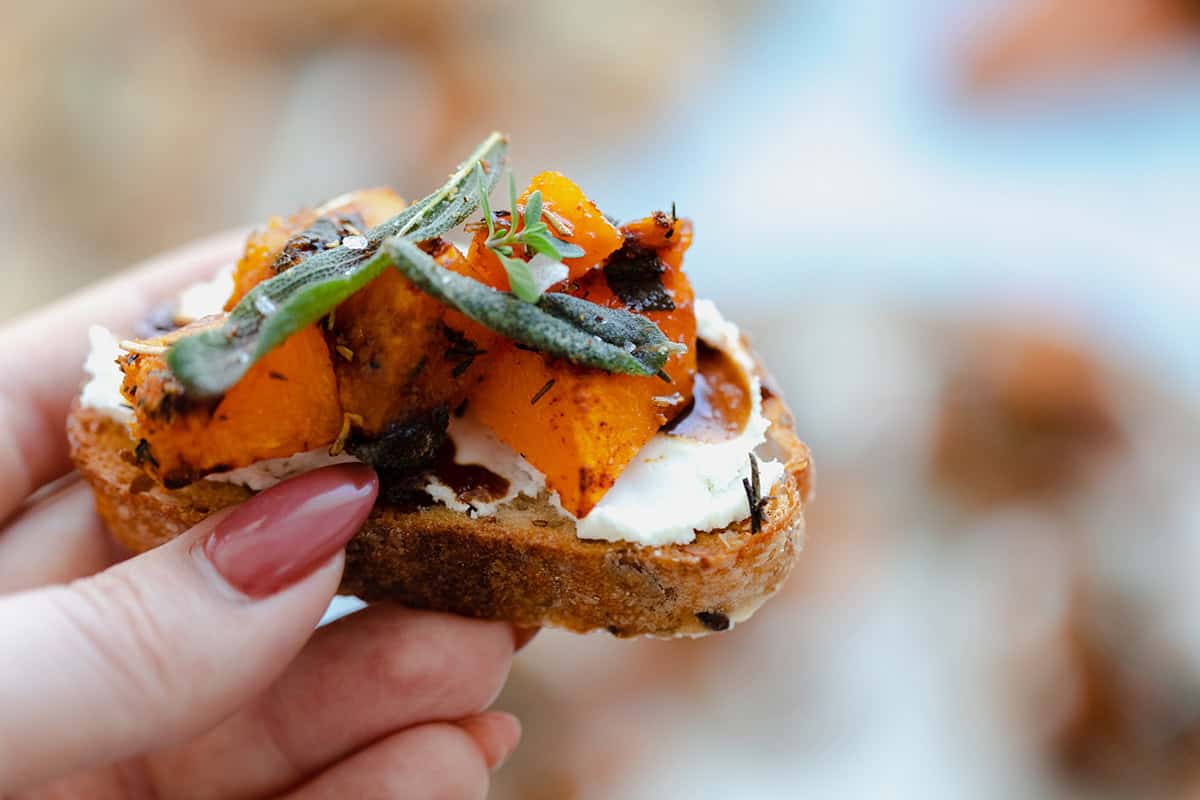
(496, 734)
(358, 681)
(41, 358)
(56, 541)
(165, 645)
(437, 760)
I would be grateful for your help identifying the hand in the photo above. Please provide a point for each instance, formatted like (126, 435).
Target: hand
(193, 670)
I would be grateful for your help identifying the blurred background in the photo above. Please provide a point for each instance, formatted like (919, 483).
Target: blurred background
(964, 233)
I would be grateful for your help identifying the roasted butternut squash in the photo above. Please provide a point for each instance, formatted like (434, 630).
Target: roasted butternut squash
(571, 216)
(287, 403)
(398, 352)
(262, 246)
(585, 425)
(654, 232)
(261, 258)
(575, 219)
(485, 267)
(390, 353)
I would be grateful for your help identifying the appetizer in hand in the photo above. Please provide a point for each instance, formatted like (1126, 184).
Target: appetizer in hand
(564, 434)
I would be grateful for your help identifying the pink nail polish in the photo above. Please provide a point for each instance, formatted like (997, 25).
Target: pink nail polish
(281, 535)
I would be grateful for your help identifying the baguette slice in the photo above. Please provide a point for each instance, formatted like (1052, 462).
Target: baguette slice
(525, 564)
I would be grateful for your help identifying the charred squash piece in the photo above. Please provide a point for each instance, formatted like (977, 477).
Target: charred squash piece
(678, 244)
(258, 259)
(287, 403)
(655, 232)
(398, 352)
(286, 242)
(581, 426)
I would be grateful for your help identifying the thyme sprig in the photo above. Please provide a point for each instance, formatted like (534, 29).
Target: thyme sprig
(525, 228)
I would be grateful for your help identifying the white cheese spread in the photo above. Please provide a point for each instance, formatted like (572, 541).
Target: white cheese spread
(103, 388)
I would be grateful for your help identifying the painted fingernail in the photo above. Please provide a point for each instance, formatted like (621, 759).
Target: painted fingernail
(282, 534)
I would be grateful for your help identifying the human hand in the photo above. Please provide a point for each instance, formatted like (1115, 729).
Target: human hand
(193, 670)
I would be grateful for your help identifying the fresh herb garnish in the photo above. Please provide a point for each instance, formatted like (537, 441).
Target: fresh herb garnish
(525, 228)
(211, 362)
(611, 339)
(758, 503)
(540, 393)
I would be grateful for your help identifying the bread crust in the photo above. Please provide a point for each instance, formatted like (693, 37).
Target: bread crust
(525, 564)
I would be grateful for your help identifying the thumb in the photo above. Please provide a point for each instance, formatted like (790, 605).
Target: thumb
(165, 645)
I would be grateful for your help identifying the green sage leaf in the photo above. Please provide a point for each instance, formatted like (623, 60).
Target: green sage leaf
(533, 209)
(520, 278)
(585, 333)
(551, 247)
(211, 362)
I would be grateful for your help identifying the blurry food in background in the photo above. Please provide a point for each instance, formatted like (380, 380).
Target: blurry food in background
(1051, 40)
(161, 108)
(1136, 717)
(1023, 415)
(1037, 420)
(522, 66)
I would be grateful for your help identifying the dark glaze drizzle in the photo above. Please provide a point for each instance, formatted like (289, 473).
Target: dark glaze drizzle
(470, 482)
(720, 404)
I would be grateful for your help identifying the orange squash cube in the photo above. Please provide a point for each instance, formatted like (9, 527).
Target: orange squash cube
(399, 352)
(580, 426)
(485, 267)
(263, 246)
(572, 217)
(653, 232)
(287, 403)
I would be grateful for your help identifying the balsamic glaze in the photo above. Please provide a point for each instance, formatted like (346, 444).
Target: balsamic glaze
(720, 404)
(471, 482)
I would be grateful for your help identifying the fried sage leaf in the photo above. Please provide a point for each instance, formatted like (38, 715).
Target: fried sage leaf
(591, 335)
(211, 362)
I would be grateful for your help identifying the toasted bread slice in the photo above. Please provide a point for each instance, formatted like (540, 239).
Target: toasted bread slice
(525, 564)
